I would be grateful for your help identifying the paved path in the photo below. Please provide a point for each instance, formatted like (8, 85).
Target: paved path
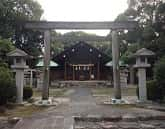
(81, 103)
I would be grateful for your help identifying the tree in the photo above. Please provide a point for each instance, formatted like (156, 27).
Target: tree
(71, 38)
(5, 47)
(7, 86)
(30, 41)
(12, 13)
(150, 31)
(159, 75)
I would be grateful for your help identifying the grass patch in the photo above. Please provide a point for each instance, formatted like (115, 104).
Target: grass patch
(53, 92)
(126, 91)
(22, 111)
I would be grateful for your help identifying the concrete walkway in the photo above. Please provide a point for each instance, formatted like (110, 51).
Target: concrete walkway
(81, 104)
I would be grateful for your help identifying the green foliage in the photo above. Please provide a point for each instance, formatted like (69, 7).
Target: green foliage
(31, 41)
(5, 47)
(7, 86)
(148, 33)
(122, 17)
(159, 73)
(27, 93)
(127, 57)
(71, 38)
(150, 30)
(13, 11)
(154, 92)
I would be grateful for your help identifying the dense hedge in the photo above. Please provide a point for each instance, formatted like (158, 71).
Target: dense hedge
(156, 87)
(159, 74)
(27, 92)
(153, 91)
(7, 86)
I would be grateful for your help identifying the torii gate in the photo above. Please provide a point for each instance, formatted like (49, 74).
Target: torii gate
(46, 26)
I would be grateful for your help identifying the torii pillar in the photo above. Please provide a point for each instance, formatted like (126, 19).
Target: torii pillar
(45, 89)
(116, 67)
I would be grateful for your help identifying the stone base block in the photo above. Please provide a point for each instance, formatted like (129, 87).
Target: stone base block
(48, 102)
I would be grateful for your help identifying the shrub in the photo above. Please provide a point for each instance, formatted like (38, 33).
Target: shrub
(7, 86)
(27, 93)
(153, 91)
(159, 74)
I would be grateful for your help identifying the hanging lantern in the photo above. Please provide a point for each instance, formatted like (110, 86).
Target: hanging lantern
(76, 68)
(99, 55)
(88, 68)
(79, 67)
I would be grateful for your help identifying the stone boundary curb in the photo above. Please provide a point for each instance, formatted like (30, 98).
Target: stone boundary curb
(116, 118)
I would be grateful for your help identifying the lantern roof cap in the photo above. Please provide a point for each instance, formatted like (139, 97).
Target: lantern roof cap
(144, 52)
(17, 53)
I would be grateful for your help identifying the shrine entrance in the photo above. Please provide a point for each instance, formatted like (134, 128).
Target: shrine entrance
(83, 72)
(81, 62)
(115, 27)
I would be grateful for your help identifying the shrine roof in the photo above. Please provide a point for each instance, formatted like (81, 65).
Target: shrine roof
(81, 53)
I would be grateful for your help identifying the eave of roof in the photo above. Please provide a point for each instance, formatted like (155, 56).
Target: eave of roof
(110, 64)
(52, 64)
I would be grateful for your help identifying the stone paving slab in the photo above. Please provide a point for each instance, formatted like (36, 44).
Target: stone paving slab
(121, 125)
(82, 103)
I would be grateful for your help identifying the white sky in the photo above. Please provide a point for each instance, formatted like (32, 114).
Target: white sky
(82, 10)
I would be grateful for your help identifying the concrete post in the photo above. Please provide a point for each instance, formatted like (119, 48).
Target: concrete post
(116, 67)
(19, 84)
(31, 78)
(142, 84)
(132, 80)
(40, 81)
(45, 90)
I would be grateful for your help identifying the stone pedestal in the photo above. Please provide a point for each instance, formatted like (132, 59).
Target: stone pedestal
(31, 78)
(123, 79)
(19, 84)
(132, 80)
(142, 84)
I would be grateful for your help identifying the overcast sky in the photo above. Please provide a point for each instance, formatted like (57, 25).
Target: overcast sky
(83, 10)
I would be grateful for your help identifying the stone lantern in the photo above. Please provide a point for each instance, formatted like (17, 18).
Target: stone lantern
(142, 56)
(19, 65)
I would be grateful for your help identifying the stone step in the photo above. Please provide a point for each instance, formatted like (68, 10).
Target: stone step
(117, 125)
(116, 118)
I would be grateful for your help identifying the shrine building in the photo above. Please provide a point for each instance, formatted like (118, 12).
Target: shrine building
(81, 62)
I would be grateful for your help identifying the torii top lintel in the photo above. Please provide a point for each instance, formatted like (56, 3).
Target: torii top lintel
(80, 25)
